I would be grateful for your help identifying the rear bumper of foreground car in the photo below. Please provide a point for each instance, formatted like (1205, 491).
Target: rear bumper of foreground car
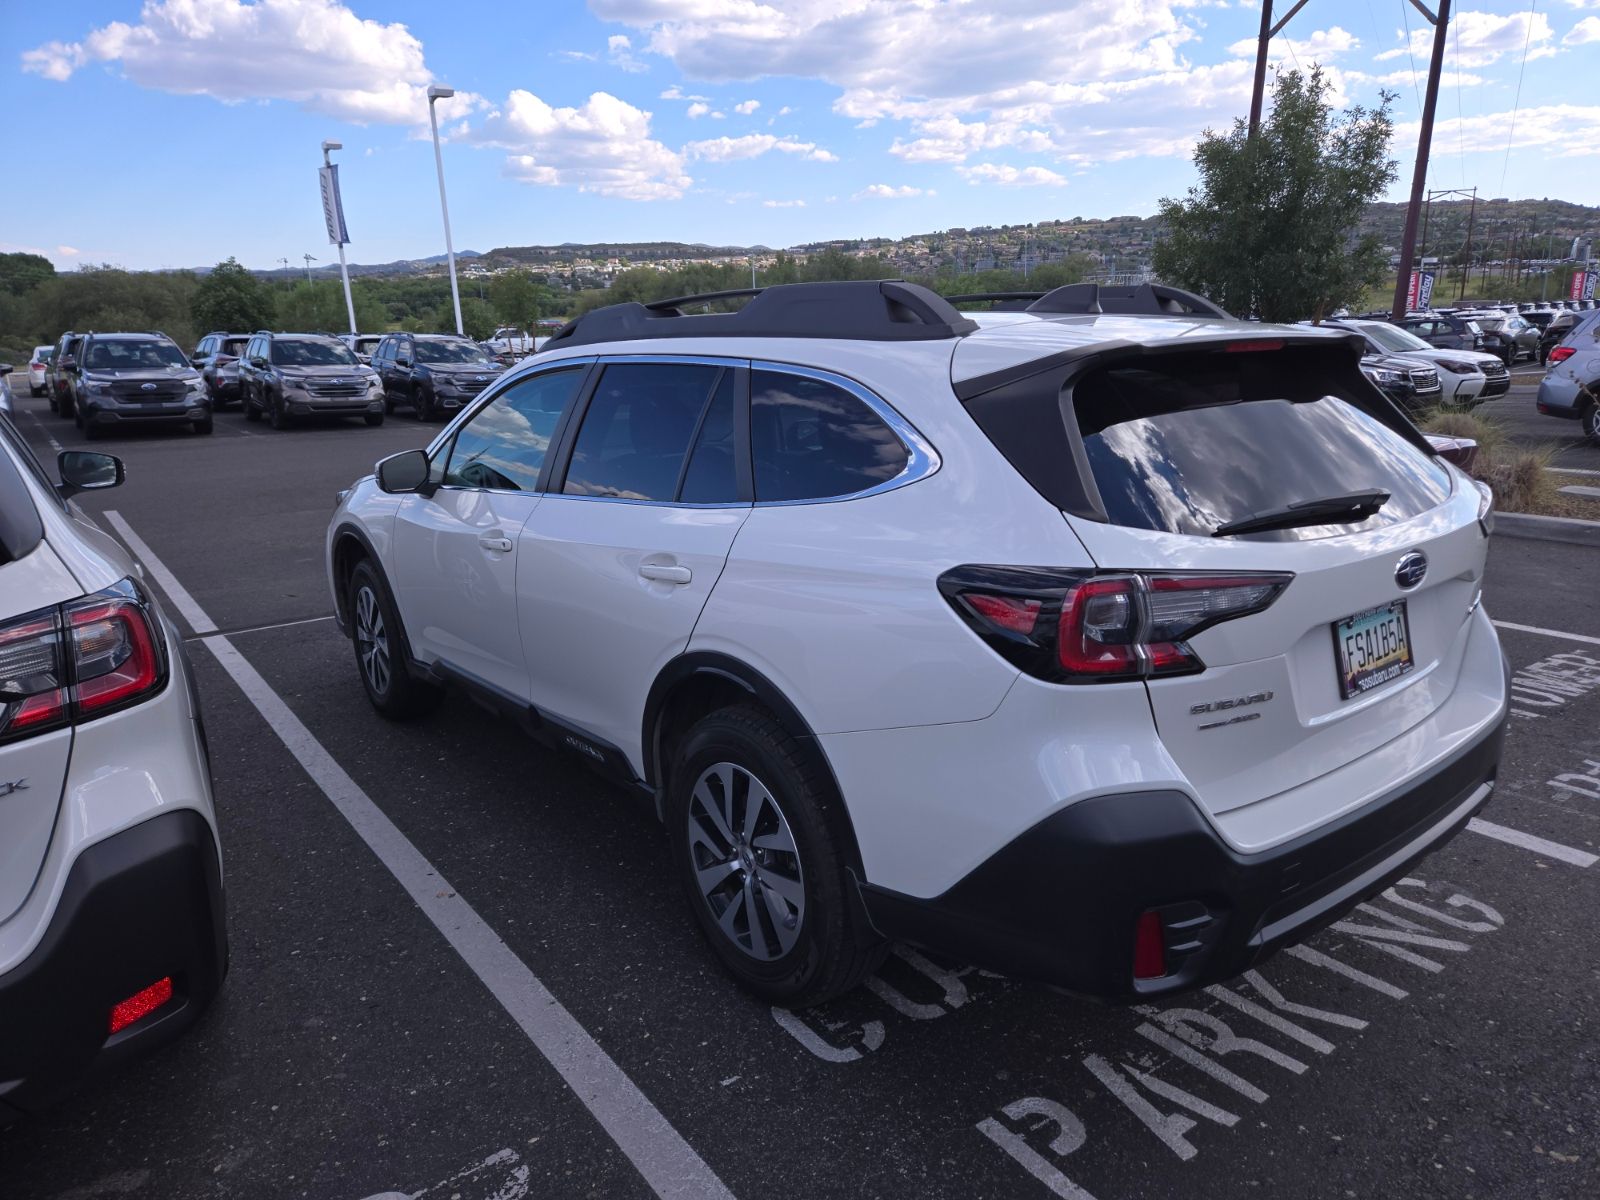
(1061, 904)
(140, 907)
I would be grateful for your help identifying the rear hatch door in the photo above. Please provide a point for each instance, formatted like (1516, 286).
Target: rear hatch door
(1366, 640)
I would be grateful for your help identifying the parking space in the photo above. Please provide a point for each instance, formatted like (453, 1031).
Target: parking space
(538, 1017)
(1515, 413)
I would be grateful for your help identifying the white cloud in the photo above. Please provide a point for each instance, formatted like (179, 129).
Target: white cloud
(1322, 46)
(698, 109)
(577, 55)
(603, 147)
(1553, 130)
(783, 204)
(746, 107)
(884, 191)
(315, 53)
(68, 251)
(1584, 32)
(753, 145)
(677, 93)
(619, 52)
(1481, 39)
(1009, 176)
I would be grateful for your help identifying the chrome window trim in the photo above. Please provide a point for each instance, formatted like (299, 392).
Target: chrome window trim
(922, 459)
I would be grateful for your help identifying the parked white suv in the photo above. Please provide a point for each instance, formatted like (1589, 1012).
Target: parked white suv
(112, 937)
(1114, 643)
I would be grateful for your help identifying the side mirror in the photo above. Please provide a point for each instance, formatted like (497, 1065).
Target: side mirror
(86, 471)
(402, 362)
(258, 361)
(404, 472)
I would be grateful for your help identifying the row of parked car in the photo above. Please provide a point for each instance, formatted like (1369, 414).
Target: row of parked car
(105, 380)
(1509, 332)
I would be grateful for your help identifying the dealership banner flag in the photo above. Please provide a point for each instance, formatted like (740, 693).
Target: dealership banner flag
(333, 206)
(1420, 294)
(1583, 285)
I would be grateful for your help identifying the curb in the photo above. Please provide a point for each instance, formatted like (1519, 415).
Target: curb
(1570, 530)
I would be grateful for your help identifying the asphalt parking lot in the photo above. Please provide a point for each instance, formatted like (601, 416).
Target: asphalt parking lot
(1515, 413)
(459, 968)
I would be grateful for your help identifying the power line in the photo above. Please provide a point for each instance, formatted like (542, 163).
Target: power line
(1461, 118)
(1527, 37)
(1406, 18)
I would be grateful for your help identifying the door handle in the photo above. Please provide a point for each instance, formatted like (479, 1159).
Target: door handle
(502, 544)
(664, 573)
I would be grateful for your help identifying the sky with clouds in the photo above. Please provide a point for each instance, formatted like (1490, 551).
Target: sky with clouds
(178, 132)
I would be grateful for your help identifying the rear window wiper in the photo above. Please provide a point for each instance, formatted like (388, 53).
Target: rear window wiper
(1330, 510)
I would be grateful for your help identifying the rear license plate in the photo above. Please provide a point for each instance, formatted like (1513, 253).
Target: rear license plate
(1373, 648)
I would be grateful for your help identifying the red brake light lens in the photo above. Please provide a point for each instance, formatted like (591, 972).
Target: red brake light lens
(1562, 353)
(33, 691)
(1015, 613)
(114, 654)
(141, 1004)
(1149, 947)
(1099, 628)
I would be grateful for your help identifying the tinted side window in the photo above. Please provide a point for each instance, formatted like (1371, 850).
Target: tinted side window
(505, 443)
(710, 477)
(812, 440)
(636, 432)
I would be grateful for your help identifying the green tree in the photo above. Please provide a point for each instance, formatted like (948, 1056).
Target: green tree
(477, 318)
(1271, 229)
(22, 272)
(519, 298)
(233, 299)
(311, 307)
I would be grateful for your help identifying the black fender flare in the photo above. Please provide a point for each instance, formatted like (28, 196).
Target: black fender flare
(760, 689)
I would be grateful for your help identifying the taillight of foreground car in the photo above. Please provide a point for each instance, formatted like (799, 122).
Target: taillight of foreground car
(1079, 627)
(1561, 354)
(78, 661)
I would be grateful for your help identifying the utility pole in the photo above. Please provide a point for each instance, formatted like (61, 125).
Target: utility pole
(310, 258)
(1268, 32)
(1419, 177)
(1466, 254)
(287, 277)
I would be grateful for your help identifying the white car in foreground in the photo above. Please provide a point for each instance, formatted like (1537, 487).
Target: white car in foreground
(1466, 377)
(112, 938)
(1113, 644)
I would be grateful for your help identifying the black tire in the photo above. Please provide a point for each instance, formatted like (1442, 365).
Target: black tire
(55, 403)
(205, 426)
(375, 627)
(422, 404)
(277, 413)
(1589, 419)
(374, 418)
(251, 412)
(35, 392)
(830, 946)
(65, 407)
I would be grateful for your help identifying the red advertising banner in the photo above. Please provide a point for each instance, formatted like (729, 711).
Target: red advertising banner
(1581, 288)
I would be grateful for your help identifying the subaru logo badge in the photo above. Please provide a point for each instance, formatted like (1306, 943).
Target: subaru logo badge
(480, 378)
(147, 387)
(1408, 572)
(338, 381)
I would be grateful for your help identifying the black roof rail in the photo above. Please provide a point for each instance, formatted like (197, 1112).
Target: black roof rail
(1145, 300)
(871, 310)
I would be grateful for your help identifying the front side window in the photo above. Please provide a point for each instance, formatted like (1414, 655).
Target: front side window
(504, 445)
(132, 355)
(293, 352)
(813, 440)
(636, 431)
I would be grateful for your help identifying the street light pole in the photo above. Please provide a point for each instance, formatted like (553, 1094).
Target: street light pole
(344, 270)
(444, 93)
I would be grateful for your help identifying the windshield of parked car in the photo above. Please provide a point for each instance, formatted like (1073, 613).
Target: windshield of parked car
(450, 352)
(312, 354)
(44, 353)
(132, 355)
(1393, 339)
(367, 345)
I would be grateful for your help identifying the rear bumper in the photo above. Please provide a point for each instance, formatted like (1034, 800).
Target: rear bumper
(140, 906)
(1059, 904)
(1559, 396)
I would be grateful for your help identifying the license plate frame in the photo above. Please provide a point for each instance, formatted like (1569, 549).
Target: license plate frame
(1384, 668)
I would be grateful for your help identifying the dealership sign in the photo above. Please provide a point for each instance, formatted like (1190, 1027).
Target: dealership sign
(1420, 294)
(333, 206)
(1583, 285)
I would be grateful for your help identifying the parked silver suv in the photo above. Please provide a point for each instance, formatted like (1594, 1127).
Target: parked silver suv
(1571, 385)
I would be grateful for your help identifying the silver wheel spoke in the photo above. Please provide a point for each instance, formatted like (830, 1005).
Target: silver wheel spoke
(746, 863)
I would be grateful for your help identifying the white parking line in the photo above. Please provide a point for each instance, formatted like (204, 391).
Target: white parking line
(668, 1163)
(1555, 633)
(261, 628)
(1515, 837)
(48, 436)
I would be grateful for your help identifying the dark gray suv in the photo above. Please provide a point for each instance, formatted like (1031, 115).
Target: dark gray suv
(124, 379)
(283, 376)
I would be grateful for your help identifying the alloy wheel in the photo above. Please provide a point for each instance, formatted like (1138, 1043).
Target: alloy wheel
(746, 863)
(372, 641)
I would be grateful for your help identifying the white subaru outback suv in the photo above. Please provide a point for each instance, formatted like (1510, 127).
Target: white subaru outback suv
(112, 937)
(1112, 643)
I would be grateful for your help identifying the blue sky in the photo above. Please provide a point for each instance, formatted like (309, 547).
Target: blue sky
(178, 132)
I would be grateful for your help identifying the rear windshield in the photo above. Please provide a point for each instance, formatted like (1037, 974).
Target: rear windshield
(1184, 444)
(234, 346)
(44, 354)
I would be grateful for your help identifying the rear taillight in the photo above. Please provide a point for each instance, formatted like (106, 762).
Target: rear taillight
(78, 661)
(1562, 353)
(1078, 627)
